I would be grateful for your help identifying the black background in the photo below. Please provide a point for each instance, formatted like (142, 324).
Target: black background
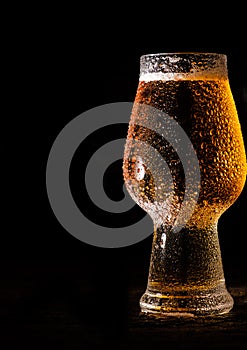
(66, 66)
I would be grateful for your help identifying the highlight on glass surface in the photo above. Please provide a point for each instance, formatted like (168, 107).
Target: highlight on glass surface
(185, 164)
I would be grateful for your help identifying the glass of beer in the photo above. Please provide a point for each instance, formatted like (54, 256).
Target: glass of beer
(184, 164)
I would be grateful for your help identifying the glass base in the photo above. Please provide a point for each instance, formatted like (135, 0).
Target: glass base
(200, 303)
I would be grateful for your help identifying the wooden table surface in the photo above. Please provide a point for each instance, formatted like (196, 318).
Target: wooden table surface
(52, 308)
(227, 331)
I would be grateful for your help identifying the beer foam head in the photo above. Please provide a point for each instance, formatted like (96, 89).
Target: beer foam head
(183, 66)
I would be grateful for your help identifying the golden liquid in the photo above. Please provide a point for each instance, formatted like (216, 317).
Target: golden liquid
(206, 111)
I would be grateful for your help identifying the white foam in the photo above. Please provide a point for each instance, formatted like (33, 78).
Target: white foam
(207, 75)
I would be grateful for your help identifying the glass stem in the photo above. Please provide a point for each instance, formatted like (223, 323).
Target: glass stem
(185, 260)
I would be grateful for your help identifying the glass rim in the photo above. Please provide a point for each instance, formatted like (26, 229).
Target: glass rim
(192, 53)
(183, 65)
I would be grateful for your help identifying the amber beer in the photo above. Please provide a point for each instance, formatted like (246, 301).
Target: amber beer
(186, 274)
(206, 111)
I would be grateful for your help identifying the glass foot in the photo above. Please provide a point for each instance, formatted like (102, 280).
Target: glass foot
(196, 303)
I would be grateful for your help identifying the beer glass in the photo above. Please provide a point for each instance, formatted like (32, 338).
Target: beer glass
(184, 164)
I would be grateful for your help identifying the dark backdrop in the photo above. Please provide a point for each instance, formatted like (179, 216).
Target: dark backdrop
(64, 70)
